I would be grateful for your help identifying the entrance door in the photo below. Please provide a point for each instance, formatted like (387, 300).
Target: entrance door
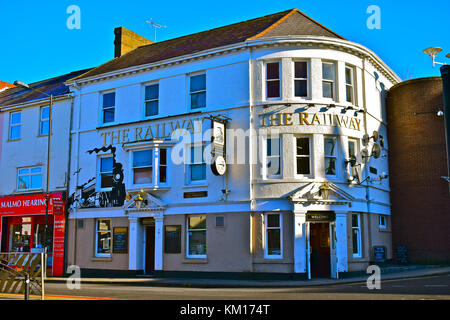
(150, 250)
(320, 249)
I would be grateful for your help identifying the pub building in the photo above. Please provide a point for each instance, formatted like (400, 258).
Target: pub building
(24, 128)
(257, 148)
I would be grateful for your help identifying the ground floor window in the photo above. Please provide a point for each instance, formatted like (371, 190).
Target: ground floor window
(273, 228)
(196, 237)
(356, 234)
(103, 238)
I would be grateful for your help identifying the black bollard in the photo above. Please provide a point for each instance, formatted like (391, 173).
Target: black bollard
(27, 286)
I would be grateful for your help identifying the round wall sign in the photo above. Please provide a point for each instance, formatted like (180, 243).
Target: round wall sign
(219, 166)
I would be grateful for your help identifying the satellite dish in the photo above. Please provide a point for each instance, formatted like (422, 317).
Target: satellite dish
(352, 161)
(365, 140)
(375, 136)
(376, 151)
(365, 154)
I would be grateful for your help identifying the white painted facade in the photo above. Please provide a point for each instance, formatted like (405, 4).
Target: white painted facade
(235, 88)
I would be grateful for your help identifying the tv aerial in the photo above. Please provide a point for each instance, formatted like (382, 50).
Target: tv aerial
(376, 151)
(155, 26)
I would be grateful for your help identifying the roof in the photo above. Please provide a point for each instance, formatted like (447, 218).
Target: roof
(5, 85)
(289, 22)
(54, 86)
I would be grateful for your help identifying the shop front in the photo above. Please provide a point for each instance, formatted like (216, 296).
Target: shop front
(23, 224)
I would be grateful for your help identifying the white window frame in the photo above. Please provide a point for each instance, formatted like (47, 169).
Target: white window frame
(280, 76)
(198, 91)
(381, 225)
(30, 174)
(11, 125)
(307, 79)
(99, 173)
(97, 231)
(266, 237)
(356, 142)
(266, 158)
(41, 120)
(156, 165)
(335, 156)
(310, 156)
(151, 100)
(102, 116)
(197, 256)
(332, 81)
(358, 254)
(189, 163)
(352, 84)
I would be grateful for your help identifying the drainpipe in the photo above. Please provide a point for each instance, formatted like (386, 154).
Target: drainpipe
(250, 155)
(68, 179)
(366, 165)
(77, 170)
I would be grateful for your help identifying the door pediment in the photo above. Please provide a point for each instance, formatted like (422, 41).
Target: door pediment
(320, 193)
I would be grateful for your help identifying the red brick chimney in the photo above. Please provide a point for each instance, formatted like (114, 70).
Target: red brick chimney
(127, 40)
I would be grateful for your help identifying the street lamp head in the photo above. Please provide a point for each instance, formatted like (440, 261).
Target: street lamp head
(21, 84)
(432, 52)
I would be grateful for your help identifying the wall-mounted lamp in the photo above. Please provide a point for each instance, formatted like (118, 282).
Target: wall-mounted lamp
(358, 111)
(433, 52)
(324, 191)
(349, 108)
(138, 201)
(438, 113)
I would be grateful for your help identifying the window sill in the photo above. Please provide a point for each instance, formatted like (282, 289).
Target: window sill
(194, 185)
(136, 188)
(29, 191)
(195, 260)
(101, 259)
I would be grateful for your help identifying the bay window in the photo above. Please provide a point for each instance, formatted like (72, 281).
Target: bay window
(303, 155)
(328, 80)
(300, 79)
(273, 157)
(273, 80)
(330, 152)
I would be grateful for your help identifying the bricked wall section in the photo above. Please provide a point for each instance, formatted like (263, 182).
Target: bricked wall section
(417, 161)
(127, 40)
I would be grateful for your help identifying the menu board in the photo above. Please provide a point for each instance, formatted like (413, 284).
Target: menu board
(120, 240)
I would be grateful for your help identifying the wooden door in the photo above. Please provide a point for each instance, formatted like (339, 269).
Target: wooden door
(150, 250)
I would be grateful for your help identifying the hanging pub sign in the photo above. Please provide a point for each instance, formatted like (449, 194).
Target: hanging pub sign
(218, 140)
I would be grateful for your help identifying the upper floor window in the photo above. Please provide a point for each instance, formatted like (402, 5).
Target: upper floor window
(143, 167)
(15, 124)
(328, 79)
(303, 155)
(44, 122)
(382, 221)
(197, 91)
(350, 84)
(149, 165)
(197, 165)
(108, 107)
(273, 80)
(105, 172)
(330, 153)
(151, 100)
(29, 178)
(301, 79)
(273, 156)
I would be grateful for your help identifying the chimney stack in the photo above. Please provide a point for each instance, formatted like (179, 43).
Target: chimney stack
(127, 40)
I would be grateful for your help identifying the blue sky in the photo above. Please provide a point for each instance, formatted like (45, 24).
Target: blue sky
(36, 43)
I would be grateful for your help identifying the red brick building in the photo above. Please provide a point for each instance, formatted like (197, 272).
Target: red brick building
(417, 166)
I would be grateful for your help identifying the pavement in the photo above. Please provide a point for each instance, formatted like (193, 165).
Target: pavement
(387, 273)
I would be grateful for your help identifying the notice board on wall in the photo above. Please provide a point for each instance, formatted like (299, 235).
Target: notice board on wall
(120, 240)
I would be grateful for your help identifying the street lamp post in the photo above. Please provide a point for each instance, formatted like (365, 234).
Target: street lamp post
(47, 195)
